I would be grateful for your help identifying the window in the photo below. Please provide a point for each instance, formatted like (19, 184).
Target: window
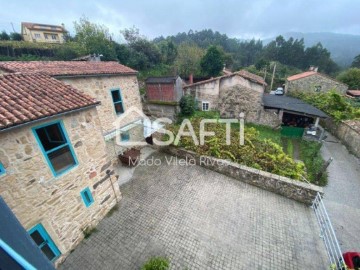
(56, 147)
(117, 100)
(37, 35)
(125, 136)
(2, 169)
(43, 240)
(87, 197)
(46, 36)
(205, 106)
(54, 37)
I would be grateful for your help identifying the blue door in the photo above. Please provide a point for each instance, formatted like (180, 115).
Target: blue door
(44, 242)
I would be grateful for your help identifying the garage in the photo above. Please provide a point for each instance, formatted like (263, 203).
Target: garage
(295, 114)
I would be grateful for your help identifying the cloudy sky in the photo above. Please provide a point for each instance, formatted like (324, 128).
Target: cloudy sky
(236, 18)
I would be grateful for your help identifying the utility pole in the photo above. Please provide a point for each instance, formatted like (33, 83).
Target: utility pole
(272, 78)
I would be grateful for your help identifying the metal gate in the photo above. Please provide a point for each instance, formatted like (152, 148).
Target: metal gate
(327, 233)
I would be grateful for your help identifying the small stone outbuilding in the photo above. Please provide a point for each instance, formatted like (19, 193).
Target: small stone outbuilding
(313, 81)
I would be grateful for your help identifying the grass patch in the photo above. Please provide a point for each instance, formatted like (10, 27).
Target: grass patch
(160, 102)
(311, 156)
(156, 263)
(290, 148)
(267, 133)
(207, 114)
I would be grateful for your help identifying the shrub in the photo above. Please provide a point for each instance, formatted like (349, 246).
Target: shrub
(332, 103)
(187, 105)
(156, 263)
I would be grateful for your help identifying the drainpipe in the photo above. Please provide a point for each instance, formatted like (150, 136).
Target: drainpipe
(108, 172)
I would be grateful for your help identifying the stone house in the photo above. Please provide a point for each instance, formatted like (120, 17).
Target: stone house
(313, 81)
(55, 172)
(231, 94)
(46, 33)
(113, 84)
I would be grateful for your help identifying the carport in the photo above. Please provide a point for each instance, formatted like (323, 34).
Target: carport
(295, 114)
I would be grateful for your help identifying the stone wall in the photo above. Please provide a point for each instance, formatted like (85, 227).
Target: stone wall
(161, 110)
(237, 99)
(270, 118)
(310, 83)
(213, 91)
(292, 189)
(36, 196)
(100, 88)
(348, 132)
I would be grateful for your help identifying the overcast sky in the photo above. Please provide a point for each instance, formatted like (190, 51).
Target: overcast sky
(236, 18)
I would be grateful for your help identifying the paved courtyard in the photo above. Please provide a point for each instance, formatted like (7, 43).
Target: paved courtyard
(200, 219)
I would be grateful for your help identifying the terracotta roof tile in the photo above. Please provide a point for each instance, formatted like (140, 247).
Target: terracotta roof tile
(243, 73)
(28, 97)
(66, 68)
(355, 93)
(301, 75)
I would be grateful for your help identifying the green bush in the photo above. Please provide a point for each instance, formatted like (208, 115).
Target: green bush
(156, 263)
(258, 153)
(187, 105)
(332, 103)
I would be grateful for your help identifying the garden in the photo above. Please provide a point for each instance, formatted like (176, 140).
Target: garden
(264, 149)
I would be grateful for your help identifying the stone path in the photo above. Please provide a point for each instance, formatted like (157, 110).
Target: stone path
(342, 194)
(200, 219)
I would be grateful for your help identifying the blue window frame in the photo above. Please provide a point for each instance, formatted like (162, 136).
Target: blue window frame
(43, 240)
(87, 197)
(125, 136)
(117, 100)
(2, 169)
(56, 147)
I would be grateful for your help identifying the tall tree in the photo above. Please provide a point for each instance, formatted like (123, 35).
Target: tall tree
(212, 62)
(94, 38)
(4, 36)
(143, 53)
(356, 62)
(188, 59)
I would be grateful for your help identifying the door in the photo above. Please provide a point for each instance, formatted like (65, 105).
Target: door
(44, 242)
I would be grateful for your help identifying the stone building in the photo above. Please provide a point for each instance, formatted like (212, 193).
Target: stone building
(231, 94)
(313, 81)
(113, 84)
(55, 172)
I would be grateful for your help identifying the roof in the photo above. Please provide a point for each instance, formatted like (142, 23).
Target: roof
(170, 79)
(354, 93)
(310, 73)
(292, 104)
(66, 68)
(243, 73)
(29, 97)
(44, 27)
(301, 75)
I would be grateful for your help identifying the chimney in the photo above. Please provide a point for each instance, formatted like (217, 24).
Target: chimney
(316, 69)
(311, 68)
(191, 78)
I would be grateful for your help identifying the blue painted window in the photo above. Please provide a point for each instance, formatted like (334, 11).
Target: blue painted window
(44, 242)
(117, 100)
(2, 169)
(87, 197)
(56, 147)
(125, 136)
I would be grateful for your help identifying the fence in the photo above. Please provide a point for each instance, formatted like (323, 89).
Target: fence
(328, 235)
